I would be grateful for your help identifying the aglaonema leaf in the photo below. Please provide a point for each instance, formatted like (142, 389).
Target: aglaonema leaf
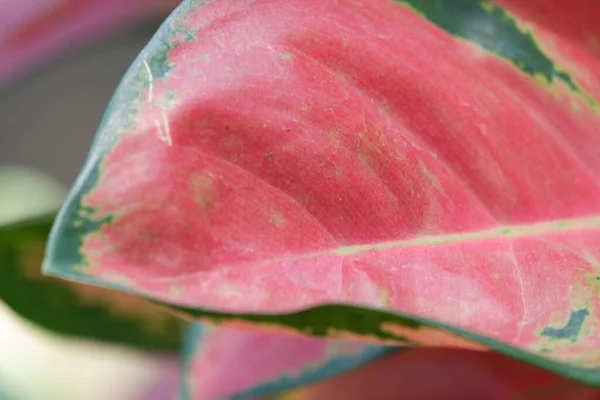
(239, 364)
(421, 172)
(26, 216)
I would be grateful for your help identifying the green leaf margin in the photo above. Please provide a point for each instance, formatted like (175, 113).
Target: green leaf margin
(353, 322)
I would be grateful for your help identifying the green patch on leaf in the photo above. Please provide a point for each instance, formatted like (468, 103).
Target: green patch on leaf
(571, 329)
(74, 232)
(495, 30)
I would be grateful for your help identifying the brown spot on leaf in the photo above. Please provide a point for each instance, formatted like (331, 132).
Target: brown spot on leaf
(202, 190)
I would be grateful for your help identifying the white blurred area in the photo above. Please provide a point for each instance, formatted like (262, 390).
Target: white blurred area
(26, 193)
(37, 365)
(47, 122)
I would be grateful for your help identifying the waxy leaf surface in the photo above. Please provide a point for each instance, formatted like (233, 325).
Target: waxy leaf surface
(438, 159)
(28, 204)
(240, 364)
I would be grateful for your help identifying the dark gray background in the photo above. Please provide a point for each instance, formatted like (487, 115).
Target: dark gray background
(48, 118)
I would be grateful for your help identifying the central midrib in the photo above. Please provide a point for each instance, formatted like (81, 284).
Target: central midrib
(591, 222)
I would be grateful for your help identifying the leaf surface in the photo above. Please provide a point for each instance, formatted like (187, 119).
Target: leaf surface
(433, 166)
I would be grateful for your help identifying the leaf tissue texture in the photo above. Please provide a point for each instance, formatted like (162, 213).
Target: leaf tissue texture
(431, 158)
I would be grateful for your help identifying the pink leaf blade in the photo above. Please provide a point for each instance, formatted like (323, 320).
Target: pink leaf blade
(267, 157)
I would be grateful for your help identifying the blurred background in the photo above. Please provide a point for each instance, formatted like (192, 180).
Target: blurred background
(53, 91)
(48, 117)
